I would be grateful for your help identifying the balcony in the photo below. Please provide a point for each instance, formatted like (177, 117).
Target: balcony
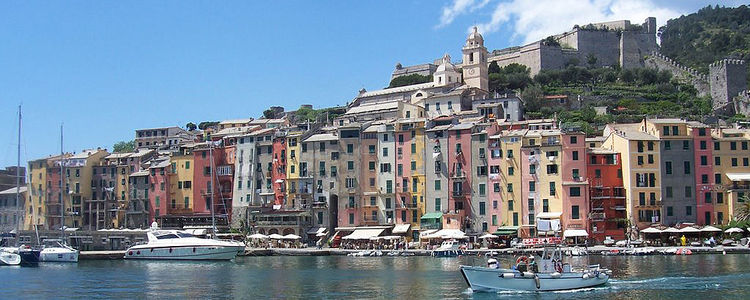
(317, 204)
(551, 142)
(598, 216)
(370, 221)
(351, 206)
(460, 175)
(739, 187)
(459, 193)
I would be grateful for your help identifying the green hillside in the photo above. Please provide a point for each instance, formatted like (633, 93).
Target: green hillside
(711, 34)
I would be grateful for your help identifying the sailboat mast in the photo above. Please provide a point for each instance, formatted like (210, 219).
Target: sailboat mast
(62, 202)
(18, 179)
(211, 155)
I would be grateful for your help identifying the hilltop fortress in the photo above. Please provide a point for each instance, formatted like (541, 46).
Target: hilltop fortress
(615, 43)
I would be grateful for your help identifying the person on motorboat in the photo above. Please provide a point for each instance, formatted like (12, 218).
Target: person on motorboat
(533, 267)
(521, 264)
(492, 263)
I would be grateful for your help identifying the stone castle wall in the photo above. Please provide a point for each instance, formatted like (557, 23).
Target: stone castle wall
(687, 75)
(742, 103)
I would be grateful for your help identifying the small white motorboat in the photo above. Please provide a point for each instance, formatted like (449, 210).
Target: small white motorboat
(448, 248)
(8, 258)
(56, 251)
(553, 275)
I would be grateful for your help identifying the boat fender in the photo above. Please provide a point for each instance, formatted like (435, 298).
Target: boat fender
(599, 275)
(536, 280)
(609, 272)
(507, 275)
(586, 276)
(528, 274)
(556, 275)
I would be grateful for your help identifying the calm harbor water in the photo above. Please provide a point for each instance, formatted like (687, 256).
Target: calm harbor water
(340, 277)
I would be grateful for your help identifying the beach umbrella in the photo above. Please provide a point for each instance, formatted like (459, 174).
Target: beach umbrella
(733, 230)
(488, 236)
(690, 229)
(257, 236)
(291, 237)
(651, 230)
(710, 228)
(276, 236)
(671, 230)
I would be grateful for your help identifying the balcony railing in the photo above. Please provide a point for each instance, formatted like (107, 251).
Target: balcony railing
(458, 175)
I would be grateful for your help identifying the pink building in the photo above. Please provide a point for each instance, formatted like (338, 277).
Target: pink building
(704, 173)
(223, 161)
(278, 172)
(459, 182)
(159, 190)
(575, 186)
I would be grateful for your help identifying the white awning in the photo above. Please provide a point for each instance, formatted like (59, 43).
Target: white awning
(447, 234)
(276, 236)
(401, 228)
(575, 233)
(364, 233)
(739, 176)
(549, 215)
(292, 237)
(733, 230)
(257, 236)
(710, 229)
(689, 229)
(651, 230)
(671, 230)
(316, 230)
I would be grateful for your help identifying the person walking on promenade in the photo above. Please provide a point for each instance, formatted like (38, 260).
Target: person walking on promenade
(683, 240)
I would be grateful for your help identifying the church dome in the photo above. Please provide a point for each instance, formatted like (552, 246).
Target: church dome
(446, 65)
(474, 38)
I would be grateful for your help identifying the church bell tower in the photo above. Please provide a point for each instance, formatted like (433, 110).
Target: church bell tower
(475, 61)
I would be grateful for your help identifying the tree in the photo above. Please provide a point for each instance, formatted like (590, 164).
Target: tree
(409, 80)
(123, 147)
(207, 124)
(532, 97)
(269, 114)
(591, 59)
(742, 212)
(191, 126)
(493, 68)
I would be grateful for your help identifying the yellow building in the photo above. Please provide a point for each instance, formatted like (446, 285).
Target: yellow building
(510, 183)
(79, 171)
(181, 181)
(414, 130)
(731, 170)
(36, 206)
(640, 167)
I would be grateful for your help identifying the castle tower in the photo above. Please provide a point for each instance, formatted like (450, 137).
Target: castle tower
(727, 78)
(475, 61)
(446, 73)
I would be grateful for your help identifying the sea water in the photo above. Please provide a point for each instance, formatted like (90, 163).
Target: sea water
(340, 277)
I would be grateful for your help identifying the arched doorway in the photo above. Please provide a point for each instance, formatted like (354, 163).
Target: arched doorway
(262, 231)
(288, 231)
(272, 231)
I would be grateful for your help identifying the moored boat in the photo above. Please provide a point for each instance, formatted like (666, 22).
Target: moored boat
(552, 275)
(57, 251)
(180, 245)
(9, 259)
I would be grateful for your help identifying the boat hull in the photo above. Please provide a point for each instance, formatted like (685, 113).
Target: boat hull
(29, 256)
(184, 253)
(58, 255)
(493, 280)
(9, 259)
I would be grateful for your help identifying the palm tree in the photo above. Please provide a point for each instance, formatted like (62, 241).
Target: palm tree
(742, 212)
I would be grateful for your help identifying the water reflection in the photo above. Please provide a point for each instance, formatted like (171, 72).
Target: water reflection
(688, 277)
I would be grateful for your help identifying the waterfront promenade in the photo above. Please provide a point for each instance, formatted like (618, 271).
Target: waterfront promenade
(595, 250)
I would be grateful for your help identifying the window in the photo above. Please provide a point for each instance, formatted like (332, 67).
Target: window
(704, 160)
(669, 211)
(370, 166)
(703, 145)
(545, 205)
(532, 186)
(640, 146)
(496, 187)
(598, 173)
(510, 204)
(510, 153)
(717, 178)
(576, 174)
(734, 161)
(385, 137)
(482, 171)
(668, 167)
(704, 178)
(745, 161)
(688, 192)
(351, 218)
(574, 140)
(515, 219)
(675, 130)
(575, 155)
(574, 212)
(719, 197)
(511, 171)
(532, 169)
(668, 192)
(640, 160)
(732, 145)
(413, 148)
(575, 191)
(349, 148)
(666, 130)
(437, 185)
(650, 158)
(650, 146)
(437, 204)
(717, 146)
(482, 209)
(707, 197)
(350, 165)
(667, 145)
(685, 145)
(717, 161)
(187, 165)
(510, 187)
(385, 152)
(552, 189)
(689, 210)
(686, 166)
(641, 198)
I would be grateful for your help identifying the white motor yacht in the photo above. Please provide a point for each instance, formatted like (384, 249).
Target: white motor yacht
(552, 275)
(56, 251)
(180, 245)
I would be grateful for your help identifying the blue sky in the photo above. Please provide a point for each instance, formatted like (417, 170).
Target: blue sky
(105, 68)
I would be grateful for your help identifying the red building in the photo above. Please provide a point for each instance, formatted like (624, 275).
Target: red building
(223, 162)
(606, 195)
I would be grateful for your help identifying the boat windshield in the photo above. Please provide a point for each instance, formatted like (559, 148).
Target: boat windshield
(167, 236)
(184, 235)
